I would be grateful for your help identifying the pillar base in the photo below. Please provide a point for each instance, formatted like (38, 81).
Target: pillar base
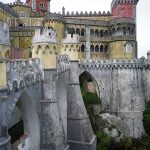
(5, 143)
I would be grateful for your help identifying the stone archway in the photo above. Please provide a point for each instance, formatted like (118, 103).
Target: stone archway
(31, 126)
(62, 101)
(89, 82)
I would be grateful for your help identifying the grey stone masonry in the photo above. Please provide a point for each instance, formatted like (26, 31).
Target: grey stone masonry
(4, 34)
(80, 133)
(88, 43)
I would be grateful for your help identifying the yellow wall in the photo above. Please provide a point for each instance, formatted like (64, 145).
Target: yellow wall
(4, 50)
(59, 27)
(71, 51)
(117, 50)
(22, 8)
(47, 54)
(3, 79)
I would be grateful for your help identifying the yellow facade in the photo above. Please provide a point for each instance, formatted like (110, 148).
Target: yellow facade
(22, 10)
(47, 54)
(3, 80)
(71, 50)
(59, 27)
(118, 50)
(4, 51)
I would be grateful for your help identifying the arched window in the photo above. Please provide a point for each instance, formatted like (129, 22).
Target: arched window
(82, 48)
(96, 33)
(101, 48)
(106, 33)
(78, 31)
(92, 32)
(101, 33)
(132, 31)
(105, 48)
(129, 47)
(124, 31)
(92, 48)
(96, 48)
(82, 32)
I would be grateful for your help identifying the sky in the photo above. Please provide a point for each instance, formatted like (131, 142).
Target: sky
(143, 16)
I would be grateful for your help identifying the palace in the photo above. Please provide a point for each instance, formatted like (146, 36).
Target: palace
(45, 60)
(104, 35)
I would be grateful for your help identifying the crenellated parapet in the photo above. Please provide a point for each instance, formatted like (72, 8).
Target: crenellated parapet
(71, 39)
(44, 35)
(54, 17)
(86, 14)
(115, 2)
(63, 63)
(23, 73)
(4, 34)
(113, 64)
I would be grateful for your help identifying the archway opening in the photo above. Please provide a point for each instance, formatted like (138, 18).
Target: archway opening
(62, 101)
(24, 127)
(91, 95)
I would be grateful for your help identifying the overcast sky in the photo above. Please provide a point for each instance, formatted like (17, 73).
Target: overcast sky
(143, 16)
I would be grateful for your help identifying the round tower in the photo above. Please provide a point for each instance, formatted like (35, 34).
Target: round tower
(40, 6)
(124, 8)
(4, 40)
(44, 46)
(70, 46)
(123, 29)
(56, 21)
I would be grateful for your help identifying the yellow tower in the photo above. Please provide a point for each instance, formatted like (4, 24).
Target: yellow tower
(4, 40)
(123, 38)
(56, 21)
(70, 46)
(44, 46)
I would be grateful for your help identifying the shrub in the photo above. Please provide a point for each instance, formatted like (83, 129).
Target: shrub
(146, 118)
(103, 141)
(90, 98)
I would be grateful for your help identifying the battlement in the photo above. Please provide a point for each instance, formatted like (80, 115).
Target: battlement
(45, 35)
(71, 39)
(115, 63)
(115, 2)
(18, 2)
(23, 73)
(63, 63)
(86, 14)
(54, 17)
(4, 33)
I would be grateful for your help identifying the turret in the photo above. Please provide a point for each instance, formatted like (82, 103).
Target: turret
(40, 6)
(44, 46)
(124, 8)
(4, 40)
(123, 29)
(70, 46)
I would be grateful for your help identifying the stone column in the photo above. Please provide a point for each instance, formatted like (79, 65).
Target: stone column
(79, 130)
(88, 43)
(52, 132)
(49, 1)
(4, 137)
(34, 5)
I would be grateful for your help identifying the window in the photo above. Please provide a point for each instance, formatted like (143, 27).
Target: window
(128, 47)
(41, 5)
(22, 14)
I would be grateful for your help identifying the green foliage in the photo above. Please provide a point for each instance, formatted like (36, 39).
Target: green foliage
(90, 98)
(142, 144)
(103, 141)
(146, 118)
(126, 143)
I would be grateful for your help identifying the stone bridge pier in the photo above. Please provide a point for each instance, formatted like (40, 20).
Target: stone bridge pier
(21, 89)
